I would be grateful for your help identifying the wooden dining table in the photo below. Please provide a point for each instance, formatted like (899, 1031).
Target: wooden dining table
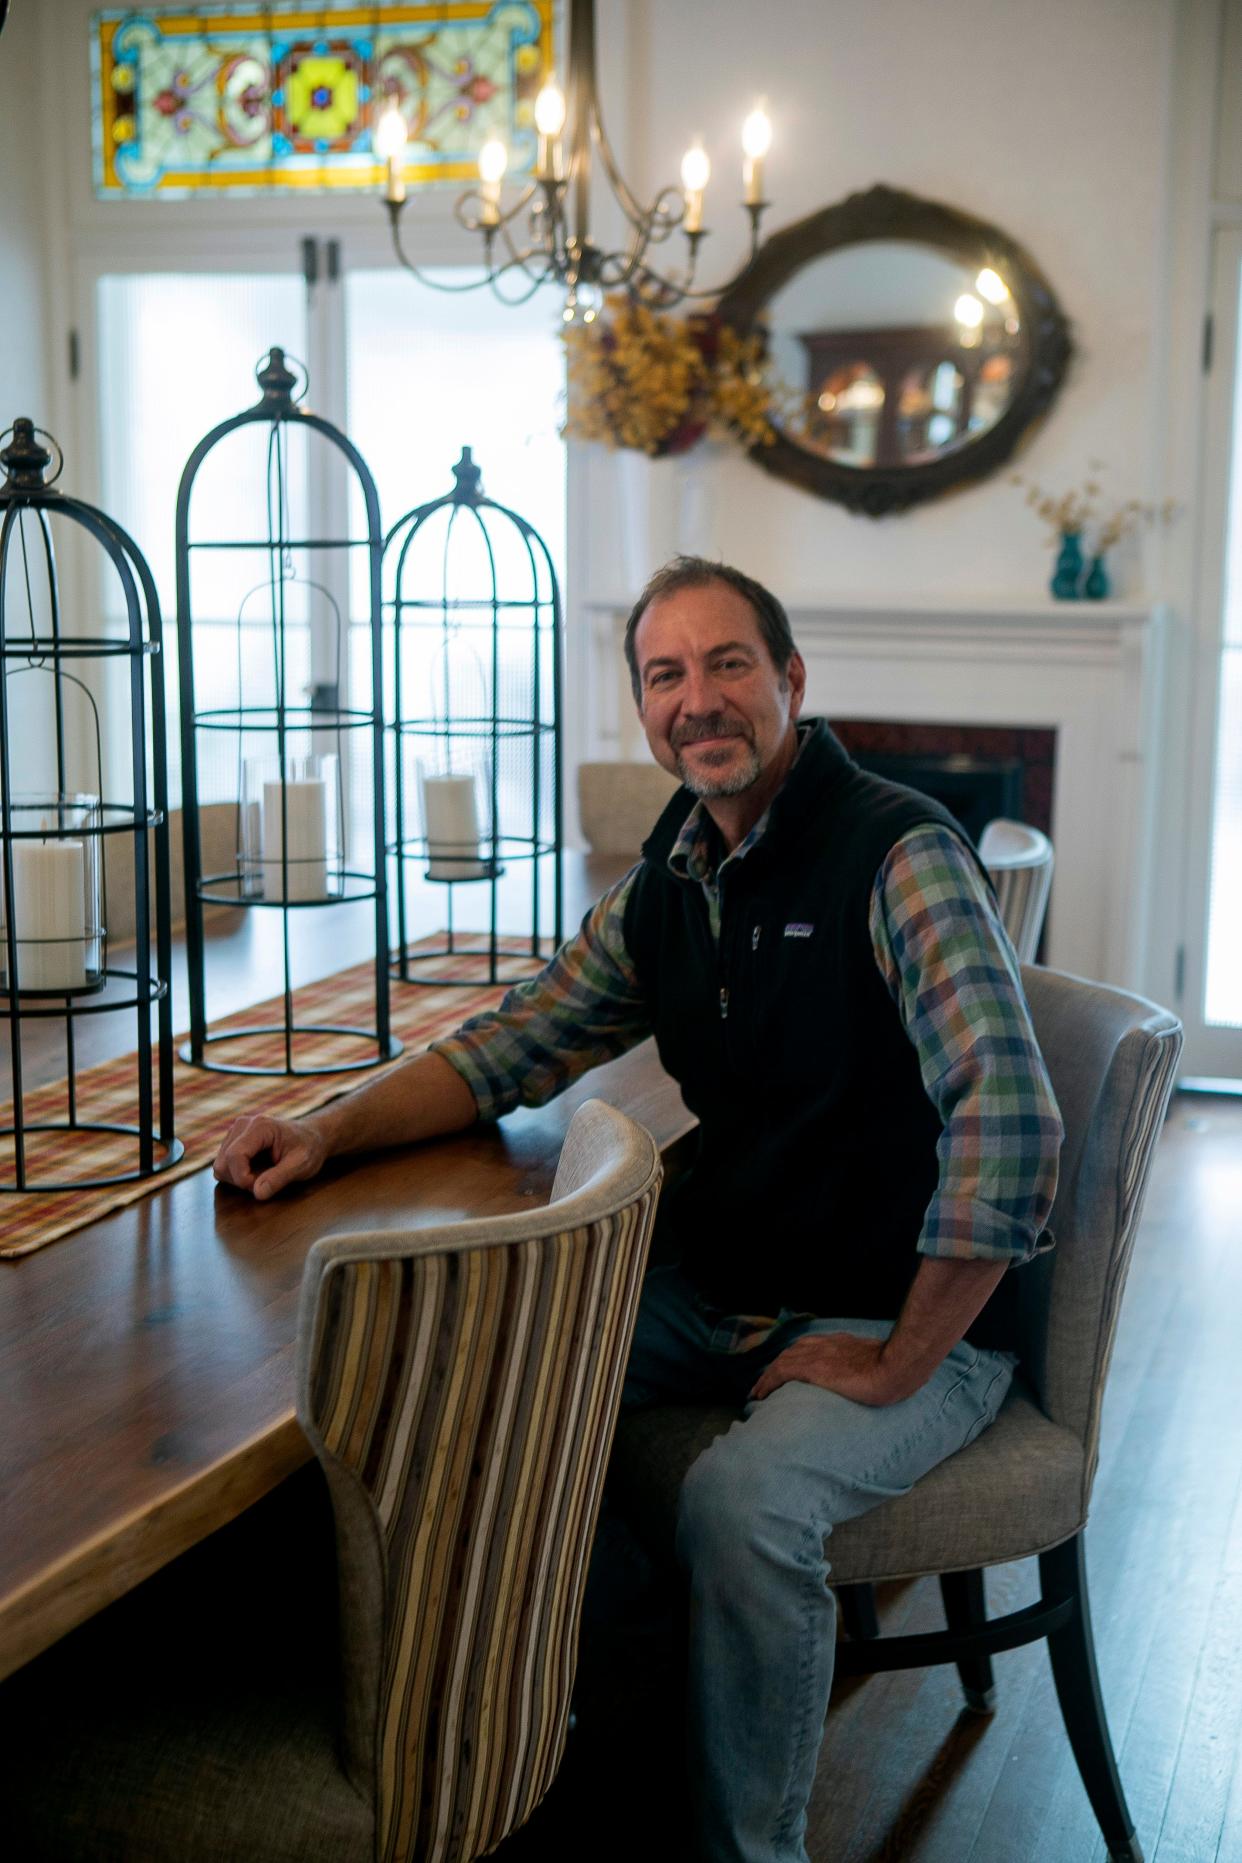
(147, 1360)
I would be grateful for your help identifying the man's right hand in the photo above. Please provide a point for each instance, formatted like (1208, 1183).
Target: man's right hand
(295, 1147)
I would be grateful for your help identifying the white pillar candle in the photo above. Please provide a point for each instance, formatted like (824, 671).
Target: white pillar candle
(452, 818)
(49, 915)
(306, 812)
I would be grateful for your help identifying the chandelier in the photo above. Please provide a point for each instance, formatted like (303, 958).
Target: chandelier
(544, 236)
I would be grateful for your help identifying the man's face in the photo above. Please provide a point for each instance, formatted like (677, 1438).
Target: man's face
(715, 710)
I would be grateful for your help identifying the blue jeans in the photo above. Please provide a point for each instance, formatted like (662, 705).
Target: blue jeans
(753, 1513)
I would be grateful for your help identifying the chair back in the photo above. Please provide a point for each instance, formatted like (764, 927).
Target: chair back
(619, 804)
(1019, 861)
(1111, 1058)
(460, 1386)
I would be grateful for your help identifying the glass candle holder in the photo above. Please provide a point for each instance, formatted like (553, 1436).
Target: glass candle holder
(290, 829)
(58, 930)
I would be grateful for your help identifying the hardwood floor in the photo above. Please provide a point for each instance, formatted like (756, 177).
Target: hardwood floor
(904, 1773)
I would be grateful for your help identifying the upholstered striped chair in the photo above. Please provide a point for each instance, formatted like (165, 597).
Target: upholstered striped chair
(1019, 860)
(460, 1386)
(1024, 1487)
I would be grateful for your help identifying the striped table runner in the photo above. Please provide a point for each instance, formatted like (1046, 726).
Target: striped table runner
(204, 1103)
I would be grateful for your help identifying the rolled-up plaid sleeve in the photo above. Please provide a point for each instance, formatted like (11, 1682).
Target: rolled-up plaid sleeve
(585, 1007)
(953, 975)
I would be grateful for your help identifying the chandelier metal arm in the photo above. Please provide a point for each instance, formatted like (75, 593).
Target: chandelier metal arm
(667, 210)
(492, 272)
(407, 263)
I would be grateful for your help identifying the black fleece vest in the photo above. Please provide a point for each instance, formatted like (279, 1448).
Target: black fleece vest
(816, 1151)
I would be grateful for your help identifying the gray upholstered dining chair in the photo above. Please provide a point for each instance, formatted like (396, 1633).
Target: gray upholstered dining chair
(460, 1386)
(1019, 861)
(1024, 1486)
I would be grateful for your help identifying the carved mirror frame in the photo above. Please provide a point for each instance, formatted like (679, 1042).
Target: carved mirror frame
(883, 213)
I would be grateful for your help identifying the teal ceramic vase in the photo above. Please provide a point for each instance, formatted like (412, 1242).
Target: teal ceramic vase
(1067, 572)
(1097, 587)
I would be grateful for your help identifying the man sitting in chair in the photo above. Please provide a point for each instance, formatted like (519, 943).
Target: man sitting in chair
(818, 955)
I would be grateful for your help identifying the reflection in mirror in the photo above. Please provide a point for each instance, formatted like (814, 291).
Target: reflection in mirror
(912, 344)
(896, 353)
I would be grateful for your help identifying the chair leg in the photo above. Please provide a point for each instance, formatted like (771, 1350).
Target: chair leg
(965, 1609)
(1072, 1652)
(858, 1612)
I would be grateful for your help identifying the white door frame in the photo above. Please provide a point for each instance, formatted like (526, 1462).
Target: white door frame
(1212, 1051)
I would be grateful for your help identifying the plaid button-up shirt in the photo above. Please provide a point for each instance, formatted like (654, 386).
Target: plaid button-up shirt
(953, 977)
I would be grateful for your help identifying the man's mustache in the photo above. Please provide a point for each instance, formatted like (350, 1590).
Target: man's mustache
(695, 730)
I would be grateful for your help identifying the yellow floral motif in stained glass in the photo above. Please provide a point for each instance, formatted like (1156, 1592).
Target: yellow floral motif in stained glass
(323, 98)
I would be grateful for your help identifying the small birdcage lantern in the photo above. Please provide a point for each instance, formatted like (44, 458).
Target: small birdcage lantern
(477, 795)
(282, 718)
(65, 824)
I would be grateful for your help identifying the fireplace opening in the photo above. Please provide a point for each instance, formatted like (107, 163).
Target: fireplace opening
(977, 772)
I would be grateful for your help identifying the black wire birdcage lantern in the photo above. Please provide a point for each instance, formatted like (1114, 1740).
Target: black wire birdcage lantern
(61, 831)
(304, 781)
(476, 618)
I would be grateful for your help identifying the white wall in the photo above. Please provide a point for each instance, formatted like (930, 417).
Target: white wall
(24, 356)
(1050, 121)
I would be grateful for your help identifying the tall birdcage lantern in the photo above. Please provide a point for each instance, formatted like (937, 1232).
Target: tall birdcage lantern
(81, 833)
(266, 645)
(476, 625)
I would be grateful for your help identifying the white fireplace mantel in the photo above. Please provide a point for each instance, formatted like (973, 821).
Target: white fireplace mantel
(1090, 671)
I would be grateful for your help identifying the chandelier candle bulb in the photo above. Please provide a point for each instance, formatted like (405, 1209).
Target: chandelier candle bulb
(549, 122)
(49, 915)
(493, 160)
(696, 172)
(389, 143)
(451, 817)
(756, 141)
(306, 813)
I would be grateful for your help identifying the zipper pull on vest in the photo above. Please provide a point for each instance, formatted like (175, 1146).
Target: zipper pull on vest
(724, 1003)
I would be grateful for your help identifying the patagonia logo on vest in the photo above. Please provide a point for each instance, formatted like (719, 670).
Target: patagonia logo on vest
(798, 931)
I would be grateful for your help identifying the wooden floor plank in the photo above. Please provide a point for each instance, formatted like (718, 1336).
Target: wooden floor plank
(1157, 1516)
(1212, 1729)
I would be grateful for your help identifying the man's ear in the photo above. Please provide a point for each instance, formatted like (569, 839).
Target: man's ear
(795, 675)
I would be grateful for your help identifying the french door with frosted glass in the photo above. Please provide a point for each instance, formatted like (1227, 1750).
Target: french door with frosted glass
(1212, 1005)
(410, 374)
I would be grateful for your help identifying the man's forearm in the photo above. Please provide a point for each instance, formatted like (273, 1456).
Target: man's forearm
(423, 1098)
(944, 1297)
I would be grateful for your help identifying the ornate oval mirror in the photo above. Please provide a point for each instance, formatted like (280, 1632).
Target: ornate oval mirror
(913, 345)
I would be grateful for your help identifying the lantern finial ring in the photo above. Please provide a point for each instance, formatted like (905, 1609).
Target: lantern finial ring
(25, 460)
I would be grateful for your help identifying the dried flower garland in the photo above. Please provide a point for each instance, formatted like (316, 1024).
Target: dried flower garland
(640, 378)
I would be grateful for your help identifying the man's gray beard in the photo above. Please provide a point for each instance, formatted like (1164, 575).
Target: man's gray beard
(704, 785)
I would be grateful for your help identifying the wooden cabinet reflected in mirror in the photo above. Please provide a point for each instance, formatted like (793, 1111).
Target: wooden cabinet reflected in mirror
(914, 345)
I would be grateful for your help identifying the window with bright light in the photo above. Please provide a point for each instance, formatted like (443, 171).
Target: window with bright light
(177, 355)
(428, 374)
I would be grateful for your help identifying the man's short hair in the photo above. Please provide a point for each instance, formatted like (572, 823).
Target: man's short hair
(696, 572)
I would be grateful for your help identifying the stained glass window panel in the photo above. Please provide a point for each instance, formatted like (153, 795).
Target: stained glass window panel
(284, 98)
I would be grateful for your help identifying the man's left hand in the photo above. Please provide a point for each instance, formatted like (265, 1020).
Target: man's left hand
(840, 1362)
